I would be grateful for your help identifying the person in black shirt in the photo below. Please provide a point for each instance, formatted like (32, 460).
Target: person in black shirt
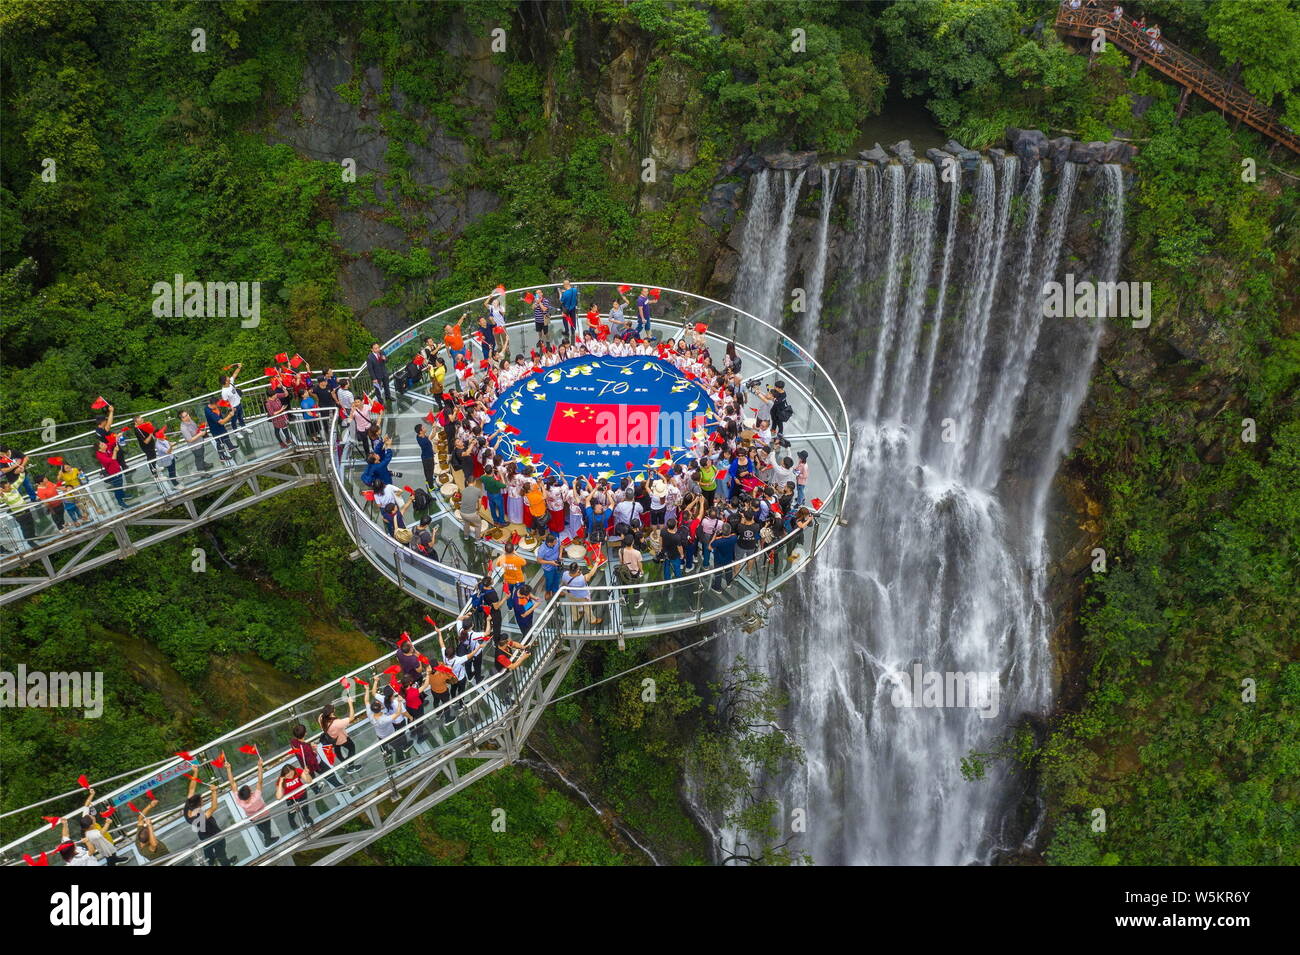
(427, 459)
(747, 539)
(146, 439)
(670, 549)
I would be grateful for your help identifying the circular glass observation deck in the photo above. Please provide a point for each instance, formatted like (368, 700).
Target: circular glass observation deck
(588, 418)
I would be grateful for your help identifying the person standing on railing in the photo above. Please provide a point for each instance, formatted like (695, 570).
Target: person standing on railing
(204, 825)
(219, 414)
(193, 435)
(112, 472)
(377, 365)
(252, 804)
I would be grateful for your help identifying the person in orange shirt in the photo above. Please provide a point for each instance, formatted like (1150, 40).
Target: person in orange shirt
(536, 505)
(512, 567)
(455, 340)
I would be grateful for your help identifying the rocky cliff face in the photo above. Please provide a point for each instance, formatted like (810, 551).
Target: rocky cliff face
(345, 108)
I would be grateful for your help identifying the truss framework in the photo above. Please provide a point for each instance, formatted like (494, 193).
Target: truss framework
(151, 523)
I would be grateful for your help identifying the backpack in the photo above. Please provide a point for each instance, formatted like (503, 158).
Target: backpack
(422, 500)
(781, 410)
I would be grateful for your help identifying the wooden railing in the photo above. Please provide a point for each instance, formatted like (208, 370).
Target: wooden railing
(1181, 67)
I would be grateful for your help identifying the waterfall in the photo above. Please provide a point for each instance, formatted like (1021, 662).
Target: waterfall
(761, 284)
(939, 566)
(817, 279)
(896, 176)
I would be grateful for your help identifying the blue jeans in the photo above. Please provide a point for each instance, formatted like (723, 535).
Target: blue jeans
(672, 568)
(497, 508)
(115, 482)
(798, 493)
(688, 551)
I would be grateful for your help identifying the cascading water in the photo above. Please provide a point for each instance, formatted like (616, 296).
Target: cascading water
(765, 247)
(817, 281)
(944, 561)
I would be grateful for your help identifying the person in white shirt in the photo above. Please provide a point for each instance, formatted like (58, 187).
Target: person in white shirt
(230, 392)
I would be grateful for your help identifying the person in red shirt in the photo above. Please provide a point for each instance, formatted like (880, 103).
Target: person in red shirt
(112, 471)
(292, 787)
(309, 759)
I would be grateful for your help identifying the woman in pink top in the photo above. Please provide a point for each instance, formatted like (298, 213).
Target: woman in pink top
(253, 805)
(335, 728)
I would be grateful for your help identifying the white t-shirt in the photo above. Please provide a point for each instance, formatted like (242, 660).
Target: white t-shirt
(231, 394)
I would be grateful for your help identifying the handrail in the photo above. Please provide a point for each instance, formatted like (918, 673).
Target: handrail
(475, 696)
(1181, 66)
(411, 333)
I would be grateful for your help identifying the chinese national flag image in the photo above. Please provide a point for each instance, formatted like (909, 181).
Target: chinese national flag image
(606, 424)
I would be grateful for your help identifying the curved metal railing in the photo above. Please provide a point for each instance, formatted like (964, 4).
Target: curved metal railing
(648, 606)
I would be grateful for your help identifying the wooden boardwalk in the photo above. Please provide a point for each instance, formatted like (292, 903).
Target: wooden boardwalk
(1180, 66)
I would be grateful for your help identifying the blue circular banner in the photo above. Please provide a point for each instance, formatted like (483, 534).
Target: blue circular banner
(597, 417)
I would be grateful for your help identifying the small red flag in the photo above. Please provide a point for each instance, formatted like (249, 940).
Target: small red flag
(429, 621)
(109, 811)
(219, 762)
(393, 669)
(55, 462)
(185, 756)
(282, 357)
(42, 859)
(99, 403)
(528, 297)
(52, 820)
(148, 794)
(131, 806)
(368, 495)
(431, 417)
(624, 289)
(295, 361)
(83, 782)
(407, 489)
(654, 294)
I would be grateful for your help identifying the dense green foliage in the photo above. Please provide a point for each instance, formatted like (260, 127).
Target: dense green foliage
(162, 164)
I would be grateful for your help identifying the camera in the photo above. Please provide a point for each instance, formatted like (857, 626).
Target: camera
(753, 384)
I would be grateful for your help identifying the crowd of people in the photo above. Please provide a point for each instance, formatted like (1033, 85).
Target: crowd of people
(734, 488)
(315, 761)
(54, 497)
